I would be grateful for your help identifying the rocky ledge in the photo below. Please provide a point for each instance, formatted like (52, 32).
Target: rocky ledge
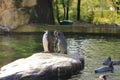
(43, 66)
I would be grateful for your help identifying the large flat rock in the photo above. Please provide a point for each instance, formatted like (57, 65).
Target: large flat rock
(43, 66)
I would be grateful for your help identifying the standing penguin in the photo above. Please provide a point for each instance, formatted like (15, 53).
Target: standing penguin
(47, 41)
(60, 42)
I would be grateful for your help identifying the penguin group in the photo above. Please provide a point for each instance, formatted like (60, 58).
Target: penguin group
(109, 68)
(59, 45)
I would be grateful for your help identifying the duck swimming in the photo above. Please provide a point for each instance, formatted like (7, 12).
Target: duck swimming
(108, 68)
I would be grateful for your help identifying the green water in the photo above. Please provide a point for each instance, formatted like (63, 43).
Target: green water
(93, 48)
(13, 47)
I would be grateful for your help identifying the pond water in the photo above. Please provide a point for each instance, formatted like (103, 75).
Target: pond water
(93, 48)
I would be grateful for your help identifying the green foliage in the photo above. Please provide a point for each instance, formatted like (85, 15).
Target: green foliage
(62, 8)
(116, 4)
(93, 11)
(88, 17)
(109, 17)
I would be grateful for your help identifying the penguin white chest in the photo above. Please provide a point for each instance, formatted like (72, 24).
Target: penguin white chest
(45, 42)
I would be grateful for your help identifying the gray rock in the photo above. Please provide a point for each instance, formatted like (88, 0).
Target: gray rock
(43, 66)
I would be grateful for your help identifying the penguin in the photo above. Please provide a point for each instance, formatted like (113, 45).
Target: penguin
(47, 42)
(108, 59)
(60, 42)
(108, 68)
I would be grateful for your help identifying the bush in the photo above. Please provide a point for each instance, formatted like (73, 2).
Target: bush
(109, 17)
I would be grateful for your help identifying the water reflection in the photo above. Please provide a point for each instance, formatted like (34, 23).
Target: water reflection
(13, 47)
(93, 48)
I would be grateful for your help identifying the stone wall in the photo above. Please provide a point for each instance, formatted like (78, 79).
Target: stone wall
(15, 12)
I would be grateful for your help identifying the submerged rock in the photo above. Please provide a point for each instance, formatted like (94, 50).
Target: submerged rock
(43, 66)
(4, 29)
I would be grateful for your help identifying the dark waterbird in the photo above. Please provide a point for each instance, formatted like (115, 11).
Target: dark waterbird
(108, 68)
(108, 59)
